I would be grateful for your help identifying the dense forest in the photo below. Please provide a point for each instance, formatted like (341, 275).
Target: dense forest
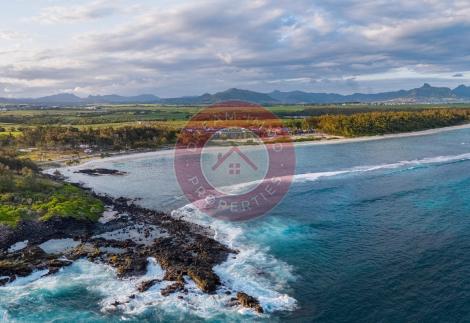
(378, 123)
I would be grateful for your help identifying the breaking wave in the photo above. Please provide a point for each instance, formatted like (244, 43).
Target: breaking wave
(310, 177)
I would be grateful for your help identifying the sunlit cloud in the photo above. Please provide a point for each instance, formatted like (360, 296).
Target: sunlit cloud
(187, 48)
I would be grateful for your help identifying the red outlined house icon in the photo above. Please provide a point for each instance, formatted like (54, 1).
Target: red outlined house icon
(234, 168)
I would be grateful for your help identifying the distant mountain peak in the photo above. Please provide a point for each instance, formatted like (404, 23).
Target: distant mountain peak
(424, 94)
(61, 98)
(63, 95)
(462, 91)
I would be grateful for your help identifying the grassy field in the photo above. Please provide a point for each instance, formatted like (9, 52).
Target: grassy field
(168, 116)
(101, 116)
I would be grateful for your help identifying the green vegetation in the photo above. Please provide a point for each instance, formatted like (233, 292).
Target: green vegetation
(26, 195)
(46, 143)
(379, 123)
(102, 115)
(170, 116)
(289, 111)
(68, 134)
(108, 138)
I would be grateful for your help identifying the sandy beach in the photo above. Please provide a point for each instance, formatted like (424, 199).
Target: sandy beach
(124, 156)
(388, 136)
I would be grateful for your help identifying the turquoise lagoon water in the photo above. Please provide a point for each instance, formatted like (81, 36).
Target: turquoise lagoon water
(370, 231)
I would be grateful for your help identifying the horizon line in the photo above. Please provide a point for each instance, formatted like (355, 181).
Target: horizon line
(228, 89)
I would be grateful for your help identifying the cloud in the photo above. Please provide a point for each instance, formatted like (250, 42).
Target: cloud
(72, 14)
(458, 75)
(10, 35)
(186, 48)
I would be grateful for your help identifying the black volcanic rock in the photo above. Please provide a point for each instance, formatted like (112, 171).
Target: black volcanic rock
(147, 284)
(181, 248)
(249, 301)
(173, 288)
(39, 232)
(100, 171)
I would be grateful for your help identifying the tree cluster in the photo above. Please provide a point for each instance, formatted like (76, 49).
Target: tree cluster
(59, 138)
(378, 123)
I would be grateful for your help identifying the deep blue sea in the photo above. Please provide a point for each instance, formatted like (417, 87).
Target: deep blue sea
(373, 231)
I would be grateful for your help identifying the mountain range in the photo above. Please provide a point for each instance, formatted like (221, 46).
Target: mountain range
(424, 94)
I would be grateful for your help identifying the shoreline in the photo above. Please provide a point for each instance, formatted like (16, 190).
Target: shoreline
(386, 136)
(167, 150)
(132, 240)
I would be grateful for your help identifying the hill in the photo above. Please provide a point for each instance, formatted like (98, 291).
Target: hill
(424, 94)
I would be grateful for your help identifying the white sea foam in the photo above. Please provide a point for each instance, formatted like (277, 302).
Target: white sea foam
(122, 295)
(4, 316)
(253, 270)
(314, 176)
(415, 162)
(195, 302)
(238, 273)
(21, 281)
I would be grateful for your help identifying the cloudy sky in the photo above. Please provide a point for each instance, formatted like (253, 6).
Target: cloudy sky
(176, 47)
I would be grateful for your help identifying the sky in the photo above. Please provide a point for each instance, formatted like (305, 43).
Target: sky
(175, 48)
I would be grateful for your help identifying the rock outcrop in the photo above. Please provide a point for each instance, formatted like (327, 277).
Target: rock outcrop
(184, 250)
(100, 171)
(249, 301)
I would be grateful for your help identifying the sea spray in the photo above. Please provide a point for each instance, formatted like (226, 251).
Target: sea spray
(253, 269)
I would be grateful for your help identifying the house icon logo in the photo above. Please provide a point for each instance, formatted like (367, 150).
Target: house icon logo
(228, 166)
(234, 168)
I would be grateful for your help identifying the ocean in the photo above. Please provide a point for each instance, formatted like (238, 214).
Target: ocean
(370, 231)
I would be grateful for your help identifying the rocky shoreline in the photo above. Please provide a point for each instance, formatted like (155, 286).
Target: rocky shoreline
(184, 250)
(100, 171)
